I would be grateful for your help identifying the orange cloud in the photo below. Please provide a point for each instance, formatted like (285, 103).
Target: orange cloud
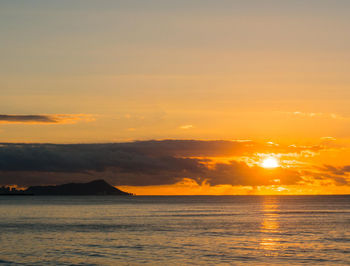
(45, 119)
(186, 127)
(318, 115)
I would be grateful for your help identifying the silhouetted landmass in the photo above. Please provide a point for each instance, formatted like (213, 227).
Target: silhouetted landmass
(7, 191)
(12, 191)
(97, 187)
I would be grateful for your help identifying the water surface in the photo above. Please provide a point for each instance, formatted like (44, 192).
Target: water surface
(232, 230)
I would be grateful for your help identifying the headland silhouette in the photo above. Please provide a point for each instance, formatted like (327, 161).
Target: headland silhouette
(96, 187)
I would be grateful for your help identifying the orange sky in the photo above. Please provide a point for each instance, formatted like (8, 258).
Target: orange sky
(119, 71)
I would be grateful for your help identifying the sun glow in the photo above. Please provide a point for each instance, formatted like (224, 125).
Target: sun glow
(270, 163)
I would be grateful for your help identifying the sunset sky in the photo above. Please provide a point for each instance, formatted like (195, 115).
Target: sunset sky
(207, 89)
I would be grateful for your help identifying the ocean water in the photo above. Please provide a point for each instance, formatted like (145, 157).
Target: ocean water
(196, 230)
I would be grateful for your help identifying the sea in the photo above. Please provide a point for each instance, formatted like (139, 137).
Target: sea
(175, 230)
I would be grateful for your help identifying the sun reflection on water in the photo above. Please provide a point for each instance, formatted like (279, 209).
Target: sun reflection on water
(270, 226)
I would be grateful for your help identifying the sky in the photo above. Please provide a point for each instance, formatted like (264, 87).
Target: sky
(273, 75)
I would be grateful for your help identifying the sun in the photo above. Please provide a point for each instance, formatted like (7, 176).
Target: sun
(270, 163)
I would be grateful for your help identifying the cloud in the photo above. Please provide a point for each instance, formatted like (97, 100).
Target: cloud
(186, 127)
(140, 163)
(342, 170)
(318, 115)
(326, 139)
(338, 175)
(44, 119)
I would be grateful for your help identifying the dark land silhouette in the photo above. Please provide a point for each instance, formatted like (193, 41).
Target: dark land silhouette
(7, 191)
(96, 187)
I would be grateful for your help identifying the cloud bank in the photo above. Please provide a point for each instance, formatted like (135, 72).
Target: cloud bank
(149, 163)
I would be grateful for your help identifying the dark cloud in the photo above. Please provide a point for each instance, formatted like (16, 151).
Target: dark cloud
(139, 163)
(346, 169)
(27, 118)
(334, 170)
(43, 119)
(337, 175)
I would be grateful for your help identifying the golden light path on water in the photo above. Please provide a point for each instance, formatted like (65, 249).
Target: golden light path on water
(270, 226)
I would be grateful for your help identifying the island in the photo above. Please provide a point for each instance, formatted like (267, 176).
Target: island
(96, 187)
